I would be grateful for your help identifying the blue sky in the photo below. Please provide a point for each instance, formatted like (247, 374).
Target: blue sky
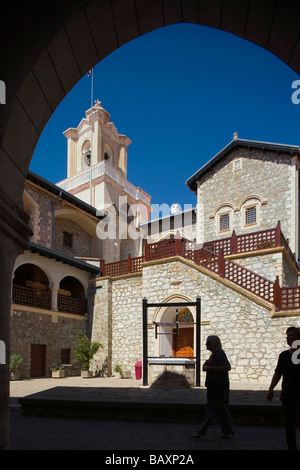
(179, 93)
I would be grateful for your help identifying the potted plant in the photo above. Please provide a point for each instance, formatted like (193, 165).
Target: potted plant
(118, 370)
(15, 361)
(84, 352)
(57, 371)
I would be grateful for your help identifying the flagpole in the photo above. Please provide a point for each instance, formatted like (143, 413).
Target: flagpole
(91, 161)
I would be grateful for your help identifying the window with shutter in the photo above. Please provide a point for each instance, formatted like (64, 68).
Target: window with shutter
(224, 222)
(250, 214)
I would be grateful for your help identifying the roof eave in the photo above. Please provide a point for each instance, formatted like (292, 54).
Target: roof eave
(282, 148)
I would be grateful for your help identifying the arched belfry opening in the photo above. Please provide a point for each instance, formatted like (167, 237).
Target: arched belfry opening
(39, 71)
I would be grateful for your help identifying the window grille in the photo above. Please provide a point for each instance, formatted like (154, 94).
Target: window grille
(250, 215)
(224, 222)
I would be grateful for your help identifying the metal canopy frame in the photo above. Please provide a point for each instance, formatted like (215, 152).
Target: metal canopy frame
(147, 305)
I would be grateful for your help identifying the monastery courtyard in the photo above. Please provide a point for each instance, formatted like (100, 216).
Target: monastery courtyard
(48, 429)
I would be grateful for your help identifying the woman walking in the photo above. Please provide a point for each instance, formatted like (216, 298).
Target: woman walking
(217, 384)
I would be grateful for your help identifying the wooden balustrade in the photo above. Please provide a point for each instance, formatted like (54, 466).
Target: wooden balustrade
(71, 305)
(212, 256)
(42, 299)
(120, 268)
(32, 297)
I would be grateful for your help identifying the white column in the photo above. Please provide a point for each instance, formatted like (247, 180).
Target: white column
(54, 288)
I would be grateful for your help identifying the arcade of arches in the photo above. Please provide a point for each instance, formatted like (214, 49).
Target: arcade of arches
(44, 57)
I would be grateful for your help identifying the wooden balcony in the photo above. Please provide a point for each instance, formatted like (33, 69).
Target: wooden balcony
(32, 297)
(42, 299)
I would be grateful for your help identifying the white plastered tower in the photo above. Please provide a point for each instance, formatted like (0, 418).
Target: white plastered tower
(97, 174)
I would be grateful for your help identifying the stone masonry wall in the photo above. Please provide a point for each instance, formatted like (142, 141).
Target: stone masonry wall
(82, 242)
(100, 324)
(250, 336)
(229, 187)
(43, 219)
(55, 331)
(127, 327)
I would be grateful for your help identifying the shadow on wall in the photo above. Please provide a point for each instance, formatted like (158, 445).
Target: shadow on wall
(169, 380)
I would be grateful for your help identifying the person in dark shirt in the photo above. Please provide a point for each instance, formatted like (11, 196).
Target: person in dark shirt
(288, 367)
(217, 384)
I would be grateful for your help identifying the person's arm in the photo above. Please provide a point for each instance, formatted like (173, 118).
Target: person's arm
(275, 379)
(209, 368)
(224, 365)
(208, 363)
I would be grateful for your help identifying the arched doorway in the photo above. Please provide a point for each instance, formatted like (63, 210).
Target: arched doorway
(173, 341)
(39, 72)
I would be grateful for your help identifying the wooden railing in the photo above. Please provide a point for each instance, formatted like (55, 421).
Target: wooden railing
(289, 298)
(120, 268)
(254, 241)
(32, 297)
(212, 256)
(71, 305)
(40, 298)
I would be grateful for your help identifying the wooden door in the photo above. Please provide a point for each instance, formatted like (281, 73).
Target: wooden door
(38, 360)
(183, 346)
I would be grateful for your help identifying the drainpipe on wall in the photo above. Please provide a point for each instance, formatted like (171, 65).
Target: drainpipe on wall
(53, 211)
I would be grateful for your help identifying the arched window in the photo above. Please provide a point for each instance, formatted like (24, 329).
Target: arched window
(224, 219)
(250, 213)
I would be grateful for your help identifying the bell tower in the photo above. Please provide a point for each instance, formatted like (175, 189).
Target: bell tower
(97, 174)
(94, 141)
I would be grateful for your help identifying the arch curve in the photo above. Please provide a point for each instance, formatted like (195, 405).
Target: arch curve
(46, 68)
(159, 312)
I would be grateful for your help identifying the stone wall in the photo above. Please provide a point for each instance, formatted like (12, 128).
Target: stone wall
(251, 336)
(41, 215)
(82, 242)
(233, 187)
(56, 331)
(127, 325)
(117, 323)
(100, 324)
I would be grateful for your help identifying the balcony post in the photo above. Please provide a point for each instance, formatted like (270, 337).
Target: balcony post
(221, 264)
(277, 294)
(233, 243)
(129, 264)
(177, 245)
(102, 268)
(278, 234)
(146, 250)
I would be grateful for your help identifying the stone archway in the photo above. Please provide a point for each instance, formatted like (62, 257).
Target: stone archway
(45, 57)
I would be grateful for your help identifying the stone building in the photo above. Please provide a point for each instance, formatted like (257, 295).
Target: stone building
(237, 249)
(50, 285)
